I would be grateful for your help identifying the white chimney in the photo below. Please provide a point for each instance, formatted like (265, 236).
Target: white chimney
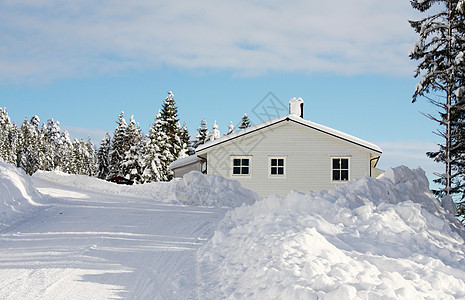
(296, 107)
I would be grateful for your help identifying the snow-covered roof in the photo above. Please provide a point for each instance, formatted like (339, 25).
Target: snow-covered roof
(184, 161)
(290, 118)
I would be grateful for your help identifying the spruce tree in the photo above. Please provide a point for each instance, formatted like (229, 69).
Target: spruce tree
(230, 128)
(440, 51)
(102, 157)
(173, 149)
(201, 134)
(132, 164)
(186, 143)
(118, 147)
(214, 133)
(64, 160)
(154, 142)
(245, 123)
(28, 152)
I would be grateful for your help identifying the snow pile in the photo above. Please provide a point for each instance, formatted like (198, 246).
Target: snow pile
(194, 189)
(18, 198)
(158, 191)
(370, 239)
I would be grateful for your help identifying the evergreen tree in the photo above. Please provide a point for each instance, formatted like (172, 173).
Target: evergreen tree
(440, 50)
(186, 143)
(51, 133)
(201, 134)
(64, 160)
(90, 158)
(8, 138)
(132, 164)
(173, 149)
(154, 160)
(230, 128)
(245, 123)
(28, 155)
(118, 147)
(214, 133)
(103, 163)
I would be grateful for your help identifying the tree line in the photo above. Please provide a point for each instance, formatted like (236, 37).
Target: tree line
(129, 153)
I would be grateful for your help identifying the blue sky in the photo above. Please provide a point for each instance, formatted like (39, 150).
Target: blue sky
(83, 62)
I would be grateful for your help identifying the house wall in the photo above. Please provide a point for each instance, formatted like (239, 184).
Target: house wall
(180, 171)
(308, 155)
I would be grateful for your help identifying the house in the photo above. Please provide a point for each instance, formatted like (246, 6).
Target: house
(287, 153)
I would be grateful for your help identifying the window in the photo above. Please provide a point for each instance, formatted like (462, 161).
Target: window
(277, 167)
(340, 168)
(241, 166)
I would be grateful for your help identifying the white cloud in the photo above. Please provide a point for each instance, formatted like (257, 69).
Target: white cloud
(52, 38)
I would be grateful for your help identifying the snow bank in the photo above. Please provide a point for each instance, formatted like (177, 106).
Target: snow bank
(18, 198)
(370, 239)
(194, 189)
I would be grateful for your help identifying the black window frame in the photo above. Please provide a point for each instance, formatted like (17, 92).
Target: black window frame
(340, 169)
(277, 166)
(241, 166)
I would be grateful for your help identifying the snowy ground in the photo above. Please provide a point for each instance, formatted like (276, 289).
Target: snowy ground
(73, 237)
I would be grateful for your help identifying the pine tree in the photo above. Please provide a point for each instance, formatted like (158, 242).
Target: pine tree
(64, 160)
(214, 133)
(230, 128)
(440, 50)
(28, 152)
(173, 149)
(245, 123)
(186, 143)
(51, 132)
(154, 143)
(118, 147)
(8, 138)
(201, 136)
(102, 157)
(132, 164)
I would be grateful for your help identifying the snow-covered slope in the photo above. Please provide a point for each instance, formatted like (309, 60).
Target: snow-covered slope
(384, 238)
(195, 189)
(18, 198)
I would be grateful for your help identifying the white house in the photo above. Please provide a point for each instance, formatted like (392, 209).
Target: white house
(287, 153)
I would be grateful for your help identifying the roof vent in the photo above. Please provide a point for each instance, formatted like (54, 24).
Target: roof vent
(296, 107)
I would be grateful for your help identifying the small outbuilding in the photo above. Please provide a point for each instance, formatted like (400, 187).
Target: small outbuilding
(284, 154)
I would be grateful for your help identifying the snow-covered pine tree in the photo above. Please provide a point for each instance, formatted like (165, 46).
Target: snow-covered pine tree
(90, 158)
(230, 128)
(186, 143)
(172, 150)
(154, 143)
(64, 160)
(102, 157)
(245, 123)
(8, 138)
(441, 50)
(201, 134)
(118, 147)
(214, 133)
(133, 164)
(51, 132)
(28, 155)
(83, 157)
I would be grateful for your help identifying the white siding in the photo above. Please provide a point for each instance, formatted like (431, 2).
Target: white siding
(308, 158)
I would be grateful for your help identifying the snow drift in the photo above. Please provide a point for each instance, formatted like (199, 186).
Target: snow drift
(370, 239)
(194, 189)
(18, 198)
